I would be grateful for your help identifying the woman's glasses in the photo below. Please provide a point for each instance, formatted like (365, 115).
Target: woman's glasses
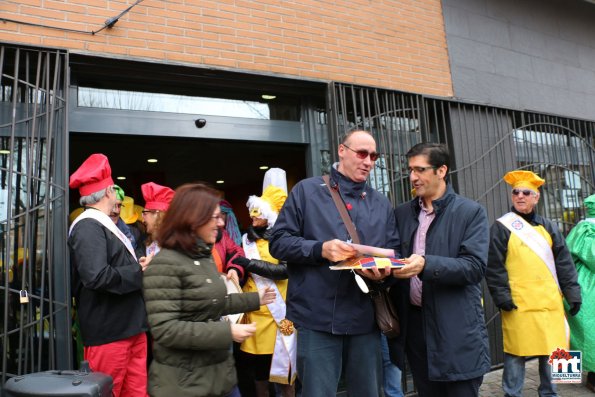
(218, 217)
(526, 192)
(362, 154)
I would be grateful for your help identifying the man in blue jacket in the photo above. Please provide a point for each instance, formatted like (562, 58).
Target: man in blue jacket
(334, 318)
(443, 329)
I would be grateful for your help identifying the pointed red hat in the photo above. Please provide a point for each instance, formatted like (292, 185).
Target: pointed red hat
(93, 175)
(156, 197)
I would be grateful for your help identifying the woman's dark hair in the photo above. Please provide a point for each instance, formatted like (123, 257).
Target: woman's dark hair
(437, 153)
(193, 206)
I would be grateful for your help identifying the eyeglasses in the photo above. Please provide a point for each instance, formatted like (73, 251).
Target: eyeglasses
(362, 154)
(420, 170)
(218, 217)
(118, 206)
(526, 192)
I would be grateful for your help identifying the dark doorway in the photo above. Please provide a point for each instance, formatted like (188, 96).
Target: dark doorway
(182, 160)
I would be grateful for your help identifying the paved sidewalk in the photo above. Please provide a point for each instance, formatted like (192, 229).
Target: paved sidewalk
(492, 384)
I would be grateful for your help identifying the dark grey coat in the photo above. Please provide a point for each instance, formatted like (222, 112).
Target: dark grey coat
(319, 298)
(185, 299)
(456, 259)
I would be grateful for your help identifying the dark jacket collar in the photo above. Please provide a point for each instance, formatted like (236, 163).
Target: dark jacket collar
(346, 185)
(257, 233)
(439, 204)
(201, 249)
(532, 217)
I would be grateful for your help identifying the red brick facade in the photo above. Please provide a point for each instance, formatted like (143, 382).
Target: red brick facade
(395, 44)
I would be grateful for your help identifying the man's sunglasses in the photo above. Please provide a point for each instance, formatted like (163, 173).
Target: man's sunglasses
(362, 154)
(516, 192)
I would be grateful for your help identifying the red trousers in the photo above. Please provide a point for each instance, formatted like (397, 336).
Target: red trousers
(125, 361)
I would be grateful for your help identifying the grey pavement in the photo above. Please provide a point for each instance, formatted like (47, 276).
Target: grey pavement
(492, 384)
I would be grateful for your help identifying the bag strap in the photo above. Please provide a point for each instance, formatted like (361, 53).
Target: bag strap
(342, 210)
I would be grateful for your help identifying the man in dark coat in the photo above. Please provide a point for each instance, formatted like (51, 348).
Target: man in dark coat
(443, 329)
(334, 318)
(107, 284)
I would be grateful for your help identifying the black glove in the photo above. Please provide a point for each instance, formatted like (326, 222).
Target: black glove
(241, 261)
(574, 308)
(507, 306)
(267, 269)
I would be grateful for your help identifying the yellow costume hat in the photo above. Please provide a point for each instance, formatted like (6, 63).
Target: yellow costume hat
(127, 212)
(524, 179)
(139, 211)
(273, 197)
(268, 205)
(74, 214)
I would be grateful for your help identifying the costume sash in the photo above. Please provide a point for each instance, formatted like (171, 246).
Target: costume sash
(106, 221)
(537, 243)
(283, 365)
(528, 235)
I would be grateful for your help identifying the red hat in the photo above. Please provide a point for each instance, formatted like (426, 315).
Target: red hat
(156, 197)
(93, 175)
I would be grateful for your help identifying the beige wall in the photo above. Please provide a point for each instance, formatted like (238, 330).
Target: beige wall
(398, 44)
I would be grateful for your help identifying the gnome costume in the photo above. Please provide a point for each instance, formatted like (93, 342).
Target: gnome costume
(107, 285)
(157, 199)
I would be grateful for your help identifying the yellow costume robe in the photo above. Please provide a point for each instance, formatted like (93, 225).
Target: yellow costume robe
(537, 327)
(263, 341)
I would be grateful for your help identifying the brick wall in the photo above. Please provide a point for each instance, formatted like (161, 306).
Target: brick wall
(396, 44)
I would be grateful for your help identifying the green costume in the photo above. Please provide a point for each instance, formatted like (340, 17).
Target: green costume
(581, 242)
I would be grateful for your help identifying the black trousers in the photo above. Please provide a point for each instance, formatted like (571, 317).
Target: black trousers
(418, 360)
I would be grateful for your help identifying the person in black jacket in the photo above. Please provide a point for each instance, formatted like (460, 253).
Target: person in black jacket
(443, 329)
(333, 317)
(107, 284)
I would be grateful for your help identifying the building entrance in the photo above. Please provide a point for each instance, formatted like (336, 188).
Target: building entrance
(236, 168)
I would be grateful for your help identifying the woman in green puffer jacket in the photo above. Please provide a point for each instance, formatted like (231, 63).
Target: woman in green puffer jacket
(186, 298)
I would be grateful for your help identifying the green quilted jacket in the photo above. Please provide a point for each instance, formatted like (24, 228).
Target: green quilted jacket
(185, 299)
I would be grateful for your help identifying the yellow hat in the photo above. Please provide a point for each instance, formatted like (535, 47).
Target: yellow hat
(139, 211)
(127, 212)
(268, 205)
(524, 179)
(74, 214)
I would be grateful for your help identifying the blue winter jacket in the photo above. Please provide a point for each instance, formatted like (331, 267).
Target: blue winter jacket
(319, 298)
(456, 258)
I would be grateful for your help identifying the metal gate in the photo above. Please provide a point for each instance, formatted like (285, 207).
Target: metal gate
(34, 293)
(485, 142)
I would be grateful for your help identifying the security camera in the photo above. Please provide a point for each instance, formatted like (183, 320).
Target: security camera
(199, 123)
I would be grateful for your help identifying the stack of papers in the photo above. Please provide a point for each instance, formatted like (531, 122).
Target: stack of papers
(369, 257)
